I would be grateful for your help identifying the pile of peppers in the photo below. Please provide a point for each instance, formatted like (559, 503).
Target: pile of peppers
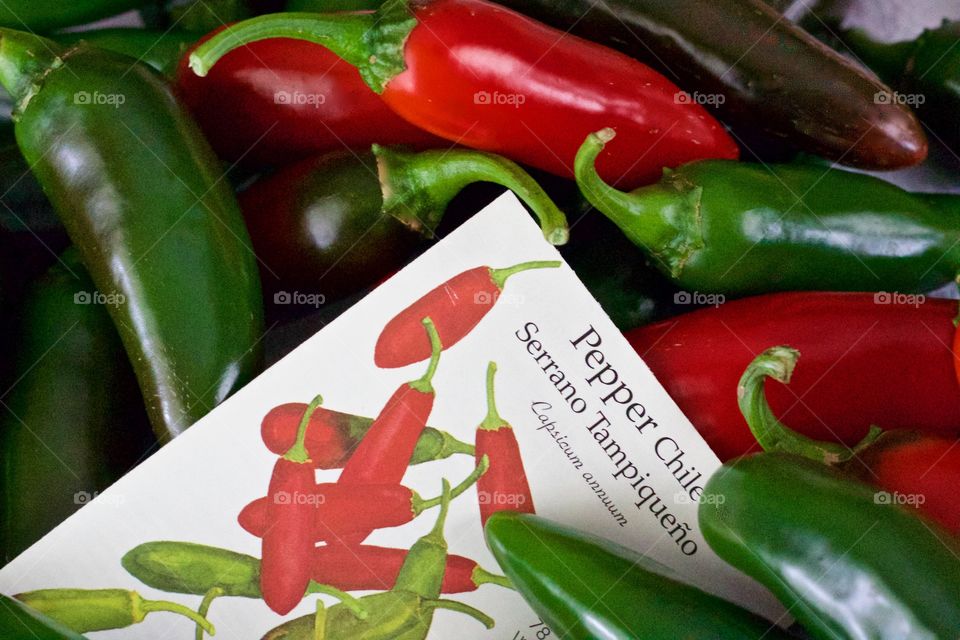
(164, 189)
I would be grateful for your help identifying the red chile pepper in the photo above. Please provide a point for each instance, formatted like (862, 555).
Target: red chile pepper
(504, 487)
(282, 99)
(923, 471)
(865, 363)
(339, 511)
(456, 307)
(486, 77)
(332, 436)
(288, 538)
(369, 568)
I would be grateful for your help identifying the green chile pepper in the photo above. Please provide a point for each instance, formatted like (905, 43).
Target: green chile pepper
(86, 610)
(73, 421)
(17, 620)
(140, 194)
(741, 228)
(846, 564)
(585, 587)
(926, 70)
(47, 15)
(161, 50)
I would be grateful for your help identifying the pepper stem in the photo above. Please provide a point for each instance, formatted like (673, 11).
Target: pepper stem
(298, 450)
(499, 276)
(356, 607)
(492, 421)
(461, 607)
(778, 363)
(149, 606)
(24, 59)
(320, 621)
(420, 505)
(480, 576)
(208, 598)
(451, 446)
(425, 383)
(417, 187)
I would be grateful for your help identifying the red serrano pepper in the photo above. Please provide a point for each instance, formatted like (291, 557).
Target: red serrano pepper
(369, 568)
(338, 510)
(456, 307)
(288, 537)
(384, 454)
(483, 76)
(504, 487)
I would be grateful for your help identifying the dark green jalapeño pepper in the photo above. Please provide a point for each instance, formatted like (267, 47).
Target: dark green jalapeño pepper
(142, 197)
(341, 222)
(845, 562)
(73, 421)
(741, 228)
(47, 15)
(585, 587)
(18, 621)
(161, 50)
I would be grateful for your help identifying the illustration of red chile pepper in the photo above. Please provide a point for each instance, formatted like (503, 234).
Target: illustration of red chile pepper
(384, 453)
(488, 78)
(504, 486)
(905, 463)
(369, 568)
(456, 307)
(340, 511)
(293, 99)
(288, 538)
(332, 436)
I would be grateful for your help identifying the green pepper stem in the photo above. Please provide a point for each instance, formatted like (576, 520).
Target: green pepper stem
(450, 446)
(461, 607)
(24, 59)
(419, 505)
(150, 606)
(425, 383)
(298, 450)
(481, 576)
(417, 187)
(778, 363)
(356, 607)
(492, 421)
(320, 621)
(208, 598)
(499, 276)
(662, 219)
(436, 534)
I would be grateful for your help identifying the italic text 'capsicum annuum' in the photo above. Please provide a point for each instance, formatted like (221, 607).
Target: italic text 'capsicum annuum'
(585, 587)
(920, 468)
(742, 228)
(867, 359)
(843, 562)
(142, 198)
(485, 77)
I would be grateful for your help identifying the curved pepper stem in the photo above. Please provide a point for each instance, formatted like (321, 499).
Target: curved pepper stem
(492, 421)
(355, 606)
(481, 576)
(499, 276)
(662, 219)
(418, 186)
(778, 363)
(425, 383)
(461, 607)
(149, 606)
(204, 609)
(298, 450)
(421, 504)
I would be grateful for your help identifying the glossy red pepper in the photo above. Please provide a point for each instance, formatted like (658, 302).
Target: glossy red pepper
(481, 75)
(282, 99)
(915, 469)
(504, 487)
(865, 362)
(369, 568)
(455, 306)
(288, 537)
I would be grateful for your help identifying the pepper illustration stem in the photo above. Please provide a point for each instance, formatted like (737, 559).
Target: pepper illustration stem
(353, 604)
(298, 450)
(461, 607)
(492, 421)
(482, 576)
(420, 504)
(150, 606)
(204, 609)
(425, 383)
(499, 276)
(778, 363)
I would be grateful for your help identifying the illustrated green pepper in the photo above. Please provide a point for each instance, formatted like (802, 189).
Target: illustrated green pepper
(585, 587)
(160, 49)
(17, 620)
(926, 70)
(47, 15)
(845, 562)
(141, 195)
(741, 228)
(73, 421)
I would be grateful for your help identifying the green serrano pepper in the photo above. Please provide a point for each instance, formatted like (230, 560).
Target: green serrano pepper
(741, 228)
(142, 197)
(73, 422)
(17, 620)
(846, 564)
(47, 15)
